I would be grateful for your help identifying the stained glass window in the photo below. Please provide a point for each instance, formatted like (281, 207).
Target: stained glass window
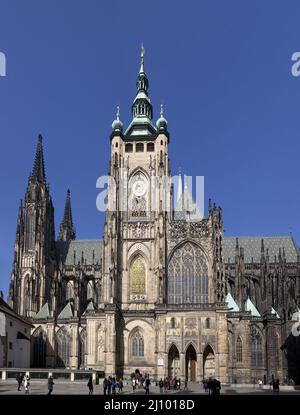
(188, 276)
(138, 276)
(257, 350)
(239, 350)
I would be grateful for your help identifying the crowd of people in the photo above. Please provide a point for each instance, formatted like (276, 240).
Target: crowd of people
(112, 385)
(212, 386)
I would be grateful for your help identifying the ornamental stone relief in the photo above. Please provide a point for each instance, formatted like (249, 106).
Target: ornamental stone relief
(138, 230)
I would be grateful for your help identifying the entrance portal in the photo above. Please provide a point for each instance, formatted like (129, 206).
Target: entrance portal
(191, 364)
(173, 362)
(209, 369)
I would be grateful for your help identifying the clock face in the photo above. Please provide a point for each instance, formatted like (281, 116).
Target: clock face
(139, 188)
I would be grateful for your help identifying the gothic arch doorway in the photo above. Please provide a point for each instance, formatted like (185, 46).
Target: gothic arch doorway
(173, 362)
(209, 368)
(191, 363)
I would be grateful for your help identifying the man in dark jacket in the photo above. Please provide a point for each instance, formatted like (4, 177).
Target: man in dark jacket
(147, 385)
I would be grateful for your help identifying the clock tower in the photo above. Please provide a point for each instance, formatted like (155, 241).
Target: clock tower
(139, 206)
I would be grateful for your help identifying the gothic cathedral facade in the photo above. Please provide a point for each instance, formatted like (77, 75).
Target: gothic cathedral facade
(164, 291)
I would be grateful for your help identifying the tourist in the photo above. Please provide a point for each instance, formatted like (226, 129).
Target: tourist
(105, 384)
(147, 385)
(186, 385)
(211, 386)
(120, 384)
(161, 385)
(133, 384)
(90, 385)
(19, 379)
(26, 384)
(50, 385)
(114, 385)
(276, 385)
(109, 384)
(216, 387)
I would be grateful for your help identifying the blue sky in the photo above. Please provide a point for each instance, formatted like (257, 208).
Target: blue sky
(222, 68)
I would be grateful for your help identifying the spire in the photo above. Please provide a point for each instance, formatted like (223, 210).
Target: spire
(38, 171)
(179, 189)
(142, 111)
(66, 230)
(142, 59)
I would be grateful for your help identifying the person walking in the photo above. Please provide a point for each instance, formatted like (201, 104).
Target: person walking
(105, 384)
(161, 385)
(276, 385)
(216, 387)
(26, 384)
(120, 385)
(90, 385)
(19, 379)
(114, 386)
(185, 385)
(109, 385)
(50, 385)
(133, 384)
(147, 385)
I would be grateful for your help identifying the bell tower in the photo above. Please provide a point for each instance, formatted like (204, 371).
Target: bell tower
(139, 205)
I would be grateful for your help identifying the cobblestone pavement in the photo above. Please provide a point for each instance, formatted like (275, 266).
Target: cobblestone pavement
(38, 387)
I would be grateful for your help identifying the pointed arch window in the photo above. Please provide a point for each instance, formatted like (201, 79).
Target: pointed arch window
(138, 276)
(29, 229)
(82, 349)
(256, 349)
(188, 276)
(63, 347)
(239, 350)
(137, 342)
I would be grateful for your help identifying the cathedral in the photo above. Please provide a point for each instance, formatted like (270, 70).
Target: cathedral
(164, 291)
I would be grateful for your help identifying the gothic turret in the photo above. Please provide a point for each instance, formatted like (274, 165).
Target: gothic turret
(66, 230)
(34, 245)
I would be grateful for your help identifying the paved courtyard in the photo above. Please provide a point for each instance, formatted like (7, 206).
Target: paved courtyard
(38, 387)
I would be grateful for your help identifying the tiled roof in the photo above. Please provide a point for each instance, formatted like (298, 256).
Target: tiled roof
(252, 248)
(91, 250)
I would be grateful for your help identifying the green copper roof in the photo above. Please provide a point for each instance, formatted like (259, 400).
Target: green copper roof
(72, 253)
(273, 311)
(44, 312)
(232, 305)
(66, 312)
(90, 307)
(249, 306)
